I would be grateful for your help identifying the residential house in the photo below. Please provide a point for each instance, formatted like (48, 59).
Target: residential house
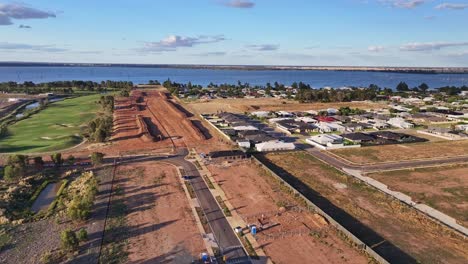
(227, 155)
(358, 137)
(274, 146)
(400, 123)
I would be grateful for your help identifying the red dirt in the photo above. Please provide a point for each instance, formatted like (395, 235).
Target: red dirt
(253, 193)
(162, 226)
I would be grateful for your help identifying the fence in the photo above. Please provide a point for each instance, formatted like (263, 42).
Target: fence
(332, 222)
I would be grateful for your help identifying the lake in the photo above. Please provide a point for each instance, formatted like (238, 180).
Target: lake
(316, 79)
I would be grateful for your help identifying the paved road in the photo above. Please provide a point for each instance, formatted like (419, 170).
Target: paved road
(341, 164)
(224, 234)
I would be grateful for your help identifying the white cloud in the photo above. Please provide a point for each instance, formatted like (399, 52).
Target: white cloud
(23, 47)
(408, 4)
(239, 4)
(8, 12)
(428, 46)
(452, 6)
(264, 47)
(375, 48)
(173, 42)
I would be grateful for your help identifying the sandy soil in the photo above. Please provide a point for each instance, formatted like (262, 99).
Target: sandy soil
(409, 230)
(445, 189)
(389, 153)
(269, 104)
(161, 222)
(254, 194)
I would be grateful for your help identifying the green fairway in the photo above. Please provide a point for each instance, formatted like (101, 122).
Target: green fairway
(54, 128)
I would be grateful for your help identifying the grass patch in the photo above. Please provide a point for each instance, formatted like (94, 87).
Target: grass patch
(203, 220)
(197, 164)
(54, 128)
(190, 189)
(226, 210)
(208, 181)
(250, 250)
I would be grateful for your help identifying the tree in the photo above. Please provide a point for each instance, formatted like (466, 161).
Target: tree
(82, 235)
(97, 158)
(71, 160)
(15, 167)
(124, 93)
(57, 159)
(11, 173)
(402, 87)
(423, 87)
(38, 162)
(100, 135)
(68, 240)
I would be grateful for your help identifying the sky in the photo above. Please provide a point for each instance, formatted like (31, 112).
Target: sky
(427, 33)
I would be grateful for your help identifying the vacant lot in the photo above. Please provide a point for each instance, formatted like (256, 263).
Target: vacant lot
(392, 153)
(160, 225)
(268, 104)
(445, 188)
(54, 128)
(298, 235)
(397, 232)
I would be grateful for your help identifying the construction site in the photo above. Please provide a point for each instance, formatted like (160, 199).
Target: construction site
(287, 231)
(152, 119)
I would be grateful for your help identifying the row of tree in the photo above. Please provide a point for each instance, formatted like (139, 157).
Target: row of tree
(66, 87)
(17, 165)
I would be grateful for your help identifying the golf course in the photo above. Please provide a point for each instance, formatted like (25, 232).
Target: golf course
(55, 128)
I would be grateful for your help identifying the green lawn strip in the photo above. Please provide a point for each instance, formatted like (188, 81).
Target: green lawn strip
(208, 181)
(190, 189)
(203, 220)
(56, 127)
(226, 210)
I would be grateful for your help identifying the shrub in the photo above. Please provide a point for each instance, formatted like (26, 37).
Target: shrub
(82, 235)
(68, 240)
(97, 158)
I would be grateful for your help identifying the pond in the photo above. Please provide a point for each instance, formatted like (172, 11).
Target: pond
(36, 104)
(46, 197)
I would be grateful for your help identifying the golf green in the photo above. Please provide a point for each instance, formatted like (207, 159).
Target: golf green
(54, 128)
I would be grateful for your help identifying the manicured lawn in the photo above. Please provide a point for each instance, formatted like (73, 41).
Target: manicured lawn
(54, 128)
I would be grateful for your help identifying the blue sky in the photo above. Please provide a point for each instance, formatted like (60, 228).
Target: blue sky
(267, 32)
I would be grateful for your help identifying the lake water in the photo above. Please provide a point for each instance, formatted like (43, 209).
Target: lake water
(316, 79)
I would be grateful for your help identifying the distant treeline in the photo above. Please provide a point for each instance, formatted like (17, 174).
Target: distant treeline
(65, 87)
(305, 93)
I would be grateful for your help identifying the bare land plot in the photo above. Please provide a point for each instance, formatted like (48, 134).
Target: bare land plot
(269, 104)
(393, 153)
(171, 120)
(353, 203)
(161, 226)
(444, 188)
(253, 193)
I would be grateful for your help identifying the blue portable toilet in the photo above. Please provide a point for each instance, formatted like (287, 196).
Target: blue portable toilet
(253, 230)
(204, 257)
